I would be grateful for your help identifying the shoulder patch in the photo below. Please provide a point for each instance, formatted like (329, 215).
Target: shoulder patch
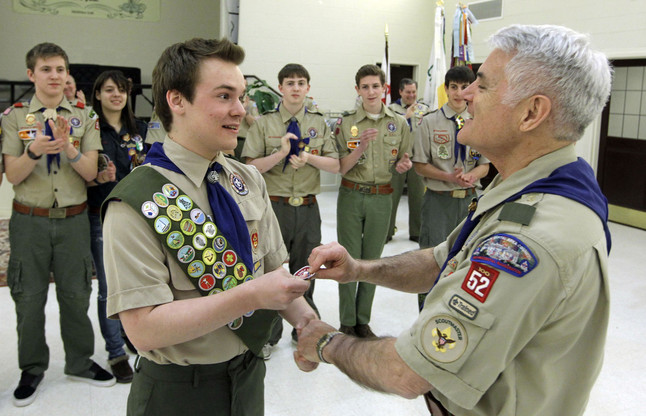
(444, 339)
(516, 212)
(506, 253)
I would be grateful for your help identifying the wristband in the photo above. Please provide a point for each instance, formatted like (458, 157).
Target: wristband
(75, 158)
(322, 343)
(31, 154)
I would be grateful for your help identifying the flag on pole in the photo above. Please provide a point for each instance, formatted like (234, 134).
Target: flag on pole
(385, 66)
(434, 93)
(462, 46)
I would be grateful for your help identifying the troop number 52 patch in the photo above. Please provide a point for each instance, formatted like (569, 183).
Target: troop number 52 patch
(479, 281)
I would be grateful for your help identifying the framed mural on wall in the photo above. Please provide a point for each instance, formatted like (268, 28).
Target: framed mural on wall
(142, 10)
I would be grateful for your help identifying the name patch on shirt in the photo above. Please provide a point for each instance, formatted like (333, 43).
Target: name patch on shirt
(507, 253)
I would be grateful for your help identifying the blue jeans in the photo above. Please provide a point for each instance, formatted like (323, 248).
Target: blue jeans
(110, 329)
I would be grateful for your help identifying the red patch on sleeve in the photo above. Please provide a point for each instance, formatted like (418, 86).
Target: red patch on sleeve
(479, 281)
(96, 125)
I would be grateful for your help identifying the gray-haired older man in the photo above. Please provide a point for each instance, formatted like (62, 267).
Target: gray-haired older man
(515, 321)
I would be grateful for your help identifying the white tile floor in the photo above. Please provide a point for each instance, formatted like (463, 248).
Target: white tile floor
(326, 391)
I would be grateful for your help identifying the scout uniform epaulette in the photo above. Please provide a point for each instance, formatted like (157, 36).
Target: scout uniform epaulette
(349, 112)
(79, 104)
(196, 244)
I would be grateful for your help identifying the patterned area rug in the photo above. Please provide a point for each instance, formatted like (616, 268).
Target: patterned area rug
(4, 250)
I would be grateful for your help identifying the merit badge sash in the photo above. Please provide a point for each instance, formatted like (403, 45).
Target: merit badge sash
(196, 244)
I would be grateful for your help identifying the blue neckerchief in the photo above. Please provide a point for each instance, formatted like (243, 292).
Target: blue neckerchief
(459, 150)
(224, 207)
(48, 132)
(295, 146)
(575, 181)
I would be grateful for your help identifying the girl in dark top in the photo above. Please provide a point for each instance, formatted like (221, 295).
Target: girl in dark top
(122, 138)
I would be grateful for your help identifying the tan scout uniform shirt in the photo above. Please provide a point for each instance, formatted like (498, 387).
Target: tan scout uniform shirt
(63, 185)
(535, 344)
(252, 109)
(416, 118)
(393, 140)
(156, 131)
(263, 139)
(434, 144)
(140, 272)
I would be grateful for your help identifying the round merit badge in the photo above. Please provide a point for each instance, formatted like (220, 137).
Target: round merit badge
(197, 215)
(160, 199)
(208, 256)
(444, 338)
(240, 271)
(229, 282)
(174, 213)
(170, 190)
(209, 229)
(186, 254)
(229, 258)
(184, 203)
(207, 282)
(162, 224)
(175, 240)
(219, 243)
(149, 209)
(188, 226)
(196, 269)
(199, 241)
(219, 270)
(235, 324)
(238, 184)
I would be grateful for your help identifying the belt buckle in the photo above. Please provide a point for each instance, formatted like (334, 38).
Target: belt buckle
(459, 193)
(57, 213)
(364, 189)
(296, 201)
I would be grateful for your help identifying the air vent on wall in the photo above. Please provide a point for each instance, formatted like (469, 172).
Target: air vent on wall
(485, 10)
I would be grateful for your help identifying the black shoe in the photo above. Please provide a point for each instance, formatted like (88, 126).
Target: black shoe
(95, 376)
(348, 330)
(364, 331)
(25, 393)
(414, 238)
(121, 369)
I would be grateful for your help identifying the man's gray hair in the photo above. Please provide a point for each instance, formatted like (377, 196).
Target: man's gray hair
(556, 62)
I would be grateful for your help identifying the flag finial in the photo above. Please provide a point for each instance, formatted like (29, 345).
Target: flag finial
(386, 31)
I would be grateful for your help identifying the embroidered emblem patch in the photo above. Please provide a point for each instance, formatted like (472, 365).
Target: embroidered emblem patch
(233, 325)
(391, 127)
(394, 152)
(219, 243)
(229, 258)
(238, 184)
(186, 254)
(27, 134)
(174, 213)
(315, 151)
(170, 190)
(75, 122)
(312, 132)
(254, 240)
(162, 224)
(208, 256)
(188, 227)
(463, 307)
(507, 253)
(160, 199)
(199, 241)
(175, 240)
(196, 269)
(209, 229)
(149, 209)
(207, 282)
(184, 203)
(479, 281)
(229, 282)
(353, 144)
(198, 216)
(441, 136)
(240, 271)
(444, 339)
(219, 270)
(154, 125)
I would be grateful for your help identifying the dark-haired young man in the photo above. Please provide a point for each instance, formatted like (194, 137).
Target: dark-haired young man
(198, 288)
(290, 146)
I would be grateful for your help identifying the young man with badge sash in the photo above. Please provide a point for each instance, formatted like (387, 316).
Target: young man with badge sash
(518, 300)
(50, 150)
(290, 146)
(412, 110)
(371, 140)
(197, 290)
(450, 171)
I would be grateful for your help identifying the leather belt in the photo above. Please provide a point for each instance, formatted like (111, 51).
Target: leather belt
(58, 213)
(295, 201)
(457, 193)
(367, 189)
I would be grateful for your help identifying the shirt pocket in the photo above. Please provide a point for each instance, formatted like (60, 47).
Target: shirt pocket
(272, 145)
(452, 331)
(393, 144)
(253, 209)
(316, 147)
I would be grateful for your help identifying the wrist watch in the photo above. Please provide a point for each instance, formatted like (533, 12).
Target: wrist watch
(31, 154)
(322, 343)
